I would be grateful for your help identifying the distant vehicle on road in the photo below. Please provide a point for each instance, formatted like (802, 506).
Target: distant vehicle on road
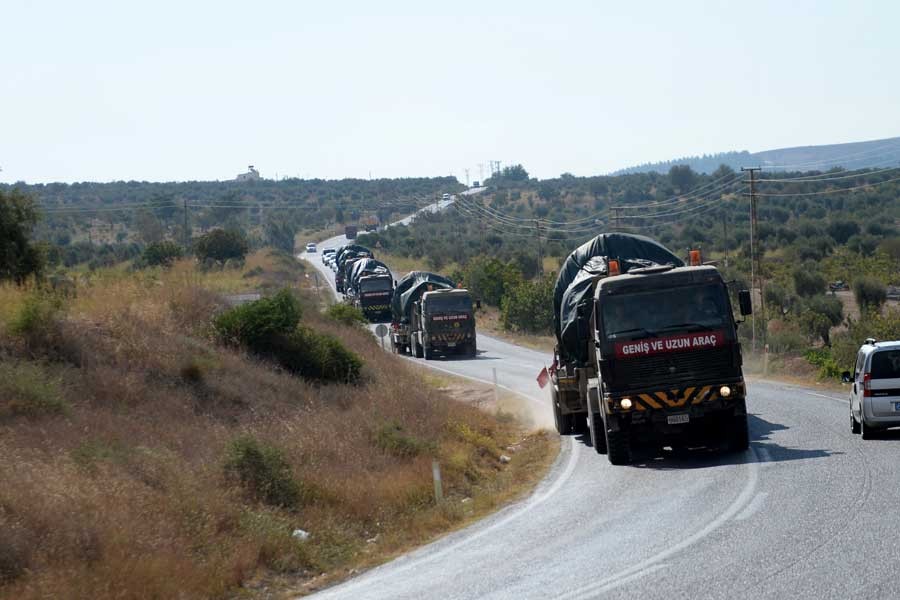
(893, 292)
(443, 321)
(476, 184)
(445, 197)
(310, 247)
(350, 231)
(875, 391)
(836, 286)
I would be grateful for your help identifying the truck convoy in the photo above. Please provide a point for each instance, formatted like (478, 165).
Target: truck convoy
(647, 349)
(430, 316)
(344, 259)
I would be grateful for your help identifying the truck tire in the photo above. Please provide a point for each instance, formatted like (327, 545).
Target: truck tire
(564, 423)
(471, 350)
(417, 348)
(618, 446)
(740, 434)
(597, 430)
(428, 353)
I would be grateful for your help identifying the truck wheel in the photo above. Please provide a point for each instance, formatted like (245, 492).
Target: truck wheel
(472, 351)
(418, 349)
(740, 434)
(428, 353)
(563, 422)
(618, 446)
(598, 431)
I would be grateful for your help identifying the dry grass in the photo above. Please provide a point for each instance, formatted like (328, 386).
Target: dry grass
(124, 494)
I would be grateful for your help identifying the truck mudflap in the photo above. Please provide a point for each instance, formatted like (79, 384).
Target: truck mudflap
(677, 399)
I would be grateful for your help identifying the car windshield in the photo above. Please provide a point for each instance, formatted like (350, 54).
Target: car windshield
(446, 303)
(375, 285)
(664, 312)
(886, 364)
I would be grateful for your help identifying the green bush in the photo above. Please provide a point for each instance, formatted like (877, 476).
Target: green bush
(870, 293)
(488, 278)
(161, 254)
(313, 355)
(39, 311)
(248, 323)
(263, 471)
(391, 438)
(26, 390)
(221, 244)
(808, 282)
(345, 314)
(824, 359)
(528, 307)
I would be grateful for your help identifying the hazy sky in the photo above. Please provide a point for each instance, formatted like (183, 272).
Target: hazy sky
(184, 90)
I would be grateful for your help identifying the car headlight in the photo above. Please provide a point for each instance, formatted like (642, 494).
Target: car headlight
(625, 403)
(725, 391)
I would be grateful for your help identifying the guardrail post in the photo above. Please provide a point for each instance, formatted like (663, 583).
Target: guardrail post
(438, 487)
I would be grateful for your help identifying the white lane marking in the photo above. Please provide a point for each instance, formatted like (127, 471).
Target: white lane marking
(628, 579)
(753, 507)
(410, 561)
(642, 568)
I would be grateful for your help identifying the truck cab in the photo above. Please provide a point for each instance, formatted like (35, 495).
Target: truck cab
(374, 297)
(443, 321)
(667, 360)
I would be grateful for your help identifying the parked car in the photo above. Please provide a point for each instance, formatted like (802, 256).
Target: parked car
(310, 247)
(875, 391)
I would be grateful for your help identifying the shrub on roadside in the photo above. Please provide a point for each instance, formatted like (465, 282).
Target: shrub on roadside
(870, 293)
(346, 314)
(528, 307)
(27, 390)
(248, 323)
(161, 254)
(312, 355)
(262, 471)
(391, 438)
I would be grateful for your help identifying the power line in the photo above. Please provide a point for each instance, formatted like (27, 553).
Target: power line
(831, 191)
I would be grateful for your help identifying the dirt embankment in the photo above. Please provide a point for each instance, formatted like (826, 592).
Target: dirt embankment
(142, 458)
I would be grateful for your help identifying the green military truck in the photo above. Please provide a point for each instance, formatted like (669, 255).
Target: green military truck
(647, 349)
(443, 322)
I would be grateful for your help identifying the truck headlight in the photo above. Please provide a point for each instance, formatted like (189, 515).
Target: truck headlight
(626, 403)
(725, 391)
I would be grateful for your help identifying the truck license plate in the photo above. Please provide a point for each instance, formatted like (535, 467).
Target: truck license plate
(678, 419)
(451, 344)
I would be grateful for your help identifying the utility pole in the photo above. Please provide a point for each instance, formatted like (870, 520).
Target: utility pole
(480, 172)
(185, 236)
(754, 254)
(725, 236)
(467, 177)
(537, 226)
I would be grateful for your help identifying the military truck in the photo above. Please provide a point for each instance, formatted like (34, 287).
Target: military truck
(370, 287)
(647, 349)
(443, 322)
(408, 291)
(344, 255)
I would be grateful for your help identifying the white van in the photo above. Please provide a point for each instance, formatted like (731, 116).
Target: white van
(875, 391)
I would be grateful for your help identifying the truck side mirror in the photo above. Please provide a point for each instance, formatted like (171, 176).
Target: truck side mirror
(745, 303)
(845, 377)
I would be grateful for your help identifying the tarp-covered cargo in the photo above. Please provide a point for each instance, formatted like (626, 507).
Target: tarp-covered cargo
(350, 251)
(573, 295)
(366, 266)
(410, 288)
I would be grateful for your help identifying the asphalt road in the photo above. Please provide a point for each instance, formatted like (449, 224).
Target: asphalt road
(808, 512)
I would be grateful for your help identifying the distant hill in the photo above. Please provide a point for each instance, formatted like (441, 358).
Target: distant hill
(855, 155)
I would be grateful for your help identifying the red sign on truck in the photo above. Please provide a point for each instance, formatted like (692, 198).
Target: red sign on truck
(676, 343)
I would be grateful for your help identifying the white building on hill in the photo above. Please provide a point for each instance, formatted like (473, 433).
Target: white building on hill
(251, 175)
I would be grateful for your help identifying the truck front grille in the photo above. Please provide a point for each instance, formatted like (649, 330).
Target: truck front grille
(664, 369)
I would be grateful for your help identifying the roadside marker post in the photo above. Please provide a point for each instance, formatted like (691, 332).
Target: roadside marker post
(496, 395)
(438, 488)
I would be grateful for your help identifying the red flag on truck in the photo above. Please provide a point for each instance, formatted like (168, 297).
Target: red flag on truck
(543, 377)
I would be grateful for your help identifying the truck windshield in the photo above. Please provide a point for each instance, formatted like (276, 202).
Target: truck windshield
(664, 312)
(375, 285)
(446, 303)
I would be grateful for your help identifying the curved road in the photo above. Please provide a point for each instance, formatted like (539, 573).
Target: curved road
(808, 512)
